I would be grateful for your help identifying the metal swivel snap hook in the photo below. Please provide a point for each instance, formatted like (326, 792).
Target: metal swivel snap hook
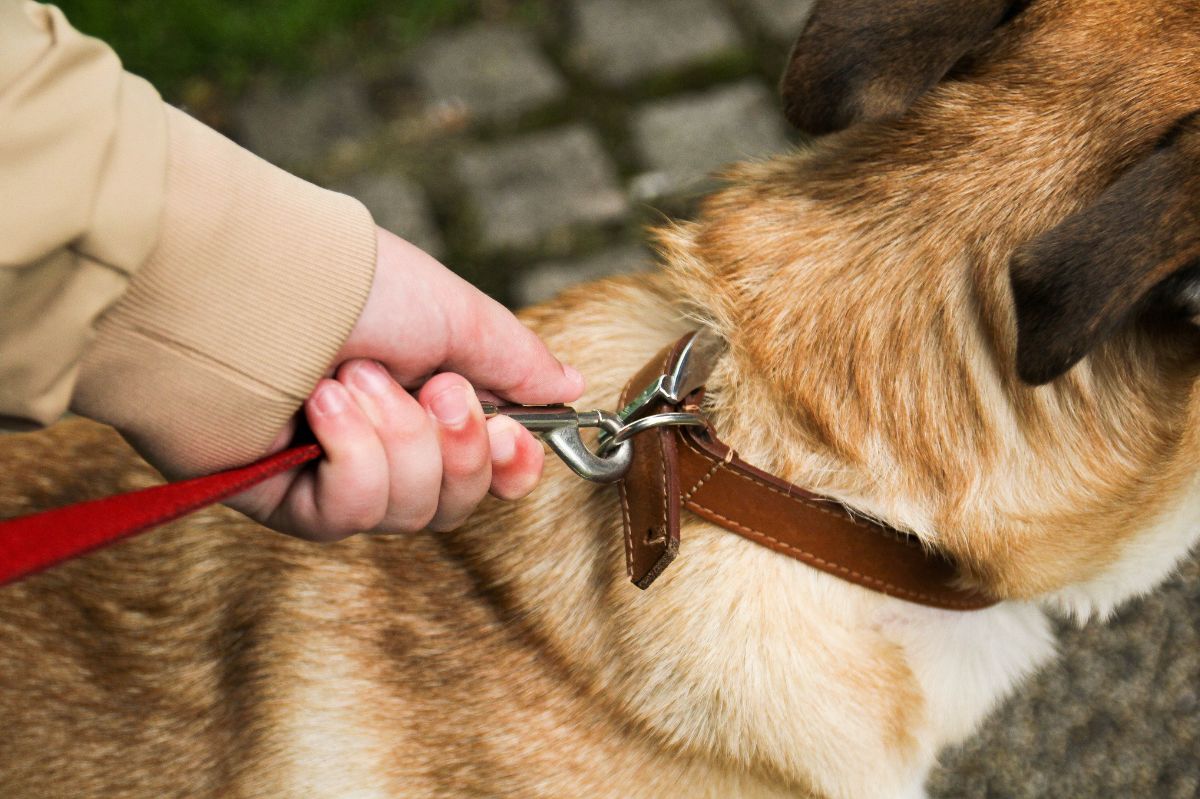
(559, 426)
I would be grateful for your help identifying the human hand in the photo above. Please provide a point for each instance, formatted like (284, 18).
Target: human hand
(395, 462)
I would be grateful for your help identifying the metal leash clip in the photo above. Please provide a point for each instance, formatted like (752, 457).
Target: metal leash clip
(559, 425)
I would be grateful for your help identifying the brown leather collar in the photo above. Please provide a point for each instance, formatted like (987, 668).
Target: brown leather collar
(689, 467)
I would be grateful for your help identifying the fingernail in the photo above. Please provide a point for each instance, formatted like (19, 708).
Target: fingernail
(503, 442)
(450, 407)
(329, 399)
(371, 378)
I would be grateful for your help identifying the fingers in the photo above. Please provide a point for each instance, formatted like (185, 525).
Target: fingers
(517, 458)
(477, 456)
(494, 350)
(382, 465)
(348, 490)
(465, 451)
(394, 463)
(410, 444)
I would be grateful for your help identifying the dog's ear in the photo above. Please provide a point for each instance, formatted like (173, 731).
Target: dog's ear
(1134, 251)
(859, 60)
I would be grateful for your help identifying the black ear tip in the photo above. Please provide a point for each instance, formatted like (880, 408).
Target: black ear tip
(816, 97)
(816, 118)
(821, 104)
(1045, 346)
(1038, 367)
(795, 112)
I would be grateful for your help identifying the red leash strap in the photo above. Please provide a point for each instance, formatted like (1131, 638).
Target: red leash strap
(31, 543)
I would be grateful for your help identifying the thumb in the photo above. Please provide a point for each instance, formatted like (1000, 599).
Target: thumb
(421, 318)
(493, 350)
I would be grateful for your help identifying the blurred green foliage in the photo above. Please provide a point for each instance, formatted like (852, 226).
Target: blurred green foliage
(226, 41)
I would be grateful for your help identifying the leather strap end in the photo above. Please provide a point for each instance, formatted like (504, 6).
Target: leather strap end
(650, 496)
(650, 503)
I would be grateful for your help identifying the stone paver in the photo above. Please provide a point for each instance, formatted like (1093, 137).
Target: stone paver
(399, 205)
(525, 189)
(682, 139)
(1117, 715)
(545, 280)
(298, 125)
(618, 42)
(492, 72)
(780, 19)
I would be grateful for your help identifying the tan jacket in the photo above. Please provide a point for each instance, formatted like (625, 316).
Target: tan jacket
(154, 275)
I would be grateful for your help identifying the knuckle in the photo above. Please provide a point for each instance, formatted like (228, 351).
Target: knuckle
(522, 474)
(407, 423)
(355, 518)
(413, 493)
(466, 461)
(329, 535)
(397, 526)
(523, 356)
(446, 519)
(442, 526)
(326, 531)
(411, 510)
(425, 518)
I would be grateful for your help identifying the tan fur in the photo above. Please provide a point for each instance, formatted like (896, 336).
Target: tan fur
(863, 288)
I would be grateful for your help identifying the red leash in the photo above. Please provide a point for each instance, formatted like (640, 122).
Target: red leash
(29, 544)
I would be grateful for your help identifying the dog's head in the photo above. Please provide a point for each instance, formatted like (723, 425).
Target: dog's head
(1137, 247)
(1009, 195)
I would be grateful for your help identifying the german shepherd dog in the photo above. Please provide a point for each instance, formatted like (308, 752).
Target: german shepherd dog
(968, 311)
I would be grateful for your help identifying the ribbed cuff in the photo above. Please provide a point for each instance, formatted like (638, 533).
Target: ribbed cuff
(257, 280)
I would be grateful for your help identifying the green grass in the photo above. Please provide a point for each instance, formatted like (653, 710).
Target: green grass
(225, 41)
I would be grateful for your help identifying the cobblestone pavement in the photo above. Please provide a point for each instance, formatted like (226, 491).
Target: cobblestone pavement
(529, 151)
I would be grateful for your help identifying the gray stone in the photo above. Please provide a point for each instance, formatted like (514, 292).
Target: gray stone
(399, 205)
(681, 140)
(525, 190)
(621, 41)
(545, 280)
(491, 72)
(780, 19)
(299, 125)
(1117, 715)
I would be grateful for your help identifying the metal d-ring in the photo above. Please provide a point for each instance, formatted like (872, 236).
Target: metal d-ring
(689, 372)
(628, 431)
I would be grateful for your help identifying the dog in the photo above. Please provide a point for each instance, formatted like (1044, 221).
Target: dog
(968, 311)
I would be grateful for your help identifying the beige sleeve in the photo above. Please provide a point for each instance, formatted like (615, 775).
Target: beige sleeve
(82, 163)
(153, 274)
